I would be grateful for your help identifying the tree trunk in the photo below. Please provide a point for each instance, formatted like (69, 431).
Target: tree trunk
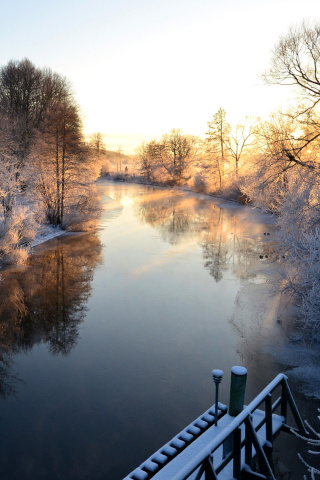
(57, 213)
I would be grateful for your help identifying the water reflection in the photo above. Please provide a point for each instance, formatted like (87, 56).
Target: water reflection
(171, 214)
(12, 310)
(155, 325)
(222, 234)
(45, 301)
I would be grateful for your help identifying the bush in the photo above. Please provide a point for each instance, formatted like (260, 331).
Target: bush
(199, 184)
(299, 239)
(16, 235)
(84, 212)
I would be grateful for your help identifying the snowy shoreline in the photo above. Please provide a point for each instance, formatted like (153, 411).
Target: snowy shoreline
(45, 233)
(48, 232)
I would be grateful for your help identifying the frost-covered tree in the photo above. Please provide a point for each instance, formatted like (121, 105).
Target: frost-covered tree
(26, 93)
(267, 180)
(17, 223)
(285, 174)
(293, 139)
(295, 61)
(217, 137)
(55, 155)
(238, 140)
(314, 443)
(299, 240)
(177, 154)
(169, 159)
(44, 162)
(64, 169)
(9, 186)
(149, 163)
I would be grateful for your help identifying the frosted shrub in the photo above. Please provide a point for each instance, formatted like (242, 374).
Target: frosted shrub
(15, 235)
(299, 238)
(199, 184)
(265, 188)
(84, 212)
(310, 267)
(234, 192)
(313, 442)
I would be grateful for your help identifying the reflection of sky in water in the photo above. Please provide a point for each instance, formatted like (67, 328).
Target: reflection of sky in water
(174, 288)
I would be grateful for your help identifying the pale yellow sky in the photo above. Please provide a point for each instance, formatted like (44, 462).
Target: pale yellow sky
(143, 67)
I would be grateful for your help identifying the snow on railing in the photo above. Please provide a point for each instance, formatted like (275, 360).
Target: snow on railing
(160, 458)
(201, 460)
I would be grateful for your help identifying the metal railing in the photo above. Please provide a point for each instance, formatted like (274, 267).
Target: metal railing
(246, 437)
(250, 442)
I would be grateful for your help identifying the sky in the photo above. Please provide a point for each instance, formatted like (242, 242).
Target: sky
(142, 67)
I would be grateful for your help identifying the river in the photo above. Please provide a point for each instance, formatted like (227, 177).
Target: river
(109, 338)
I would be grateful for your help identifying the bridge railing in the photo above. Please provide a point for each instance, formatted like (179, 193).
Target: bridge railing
(243, 433)
(232, 445)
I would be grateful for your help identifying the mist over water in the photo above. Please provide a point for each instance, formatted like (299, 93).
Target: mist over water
(108, 338)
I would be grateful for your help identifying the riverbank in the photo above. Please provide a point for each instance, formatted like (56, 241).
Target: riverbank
(45, 233)
(232, 195)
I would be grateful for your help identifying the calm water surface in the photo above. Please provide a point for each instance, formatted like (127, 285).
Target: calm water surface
(108, 338)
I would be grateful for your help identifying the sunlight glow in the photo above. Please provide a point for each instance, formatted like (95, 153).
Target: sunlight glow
(141, 68)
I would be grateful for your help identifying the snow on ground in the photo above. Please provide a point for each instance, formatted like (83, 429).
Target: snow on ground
(45, 233)
(303, 362)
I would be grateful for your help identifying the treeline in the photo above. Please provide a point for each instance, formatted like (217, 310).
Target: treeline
(206, 165)
(47, 170)
(274, 163)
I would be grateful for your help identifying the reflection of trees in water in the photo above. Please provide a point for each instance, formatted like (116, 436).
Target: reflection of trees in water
(12, 310)
(220, 232)
(225, 246)
(175, 225)
(46, 301)
(214, 249)
(8, 379)
(172, 214)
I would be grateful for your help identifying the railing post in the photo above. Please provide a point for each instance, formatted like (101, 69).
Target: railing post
(268, 448)
(237, 390)
(237, 453)
(209, 470)
(284, 401)
(247, 446)
(293, 407)
(262, 459)
(268, 409)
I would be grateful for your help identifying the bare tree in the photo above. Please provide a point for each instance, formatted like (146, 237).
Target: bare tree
(169, 158)
(296, 61)
(9, 186)
(57, 157)
(97, 143)
(119, 161)
(26, 92)
(216, 138)
(43, 158)
(177, 154)
(238, 141)
(148, 155)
